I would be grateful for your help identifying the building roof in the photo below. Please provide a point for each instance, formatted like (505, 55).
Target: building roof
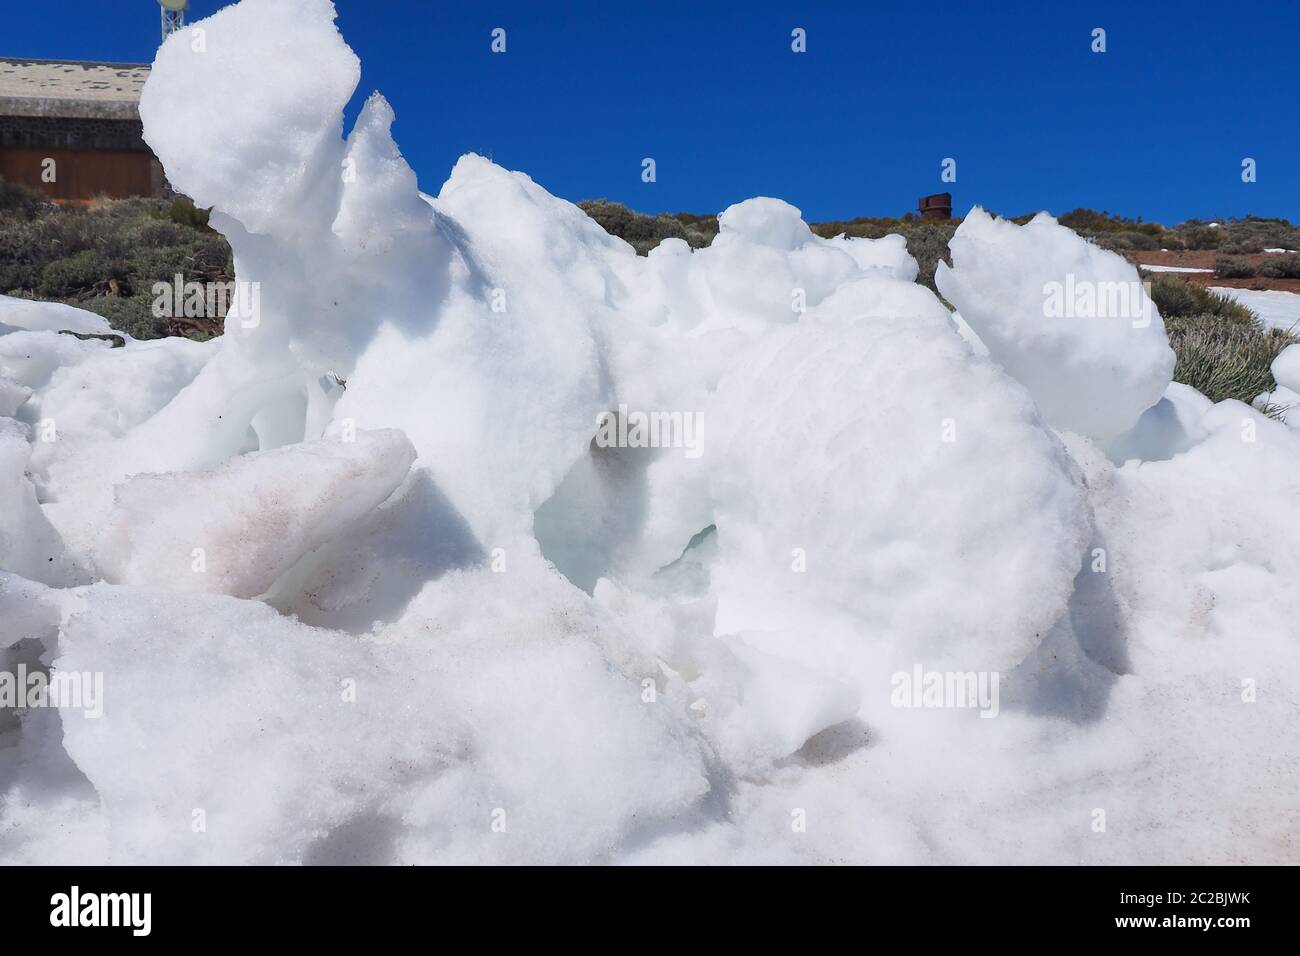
(71, 89)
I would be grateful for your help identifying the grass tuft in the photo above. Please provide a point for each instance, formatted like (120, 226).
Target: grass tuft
(1223, 360)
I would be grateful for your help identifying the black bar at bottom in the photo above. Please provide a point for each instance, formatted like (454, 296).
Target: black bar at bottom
(334, 905)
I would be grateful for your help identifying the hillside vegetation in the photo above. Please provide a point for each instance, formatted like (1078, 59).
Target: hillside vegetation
(105, 257)
(1222, 349)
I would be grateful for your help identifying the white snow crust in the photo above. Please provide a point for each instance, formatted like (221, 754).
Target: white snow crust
(365, 584)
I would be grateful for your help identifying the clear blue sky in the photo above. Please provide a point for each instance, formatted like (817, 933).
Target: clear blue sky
(1157, 126)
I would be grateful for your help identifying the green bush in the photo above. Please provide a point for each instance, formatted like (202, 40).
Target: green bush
(1114, 241)
(1254, 234)
(1199, 237)
(1223, 360)
(105, 257)
(63, 232)
(1175, 297)
(19, 201)
(1239, 236)
(183, 212)
(1233, 267)
(1126, 241)
(869, 227)
(1281, 267)
(79, 273)
(640, 231)
(130, 314)
(20, 268)
(1091, 222)
(1235, 247)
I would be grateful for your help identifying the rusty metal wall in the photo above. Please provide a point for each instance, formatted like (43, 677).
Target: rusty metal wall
(81, 174)
(936, 206)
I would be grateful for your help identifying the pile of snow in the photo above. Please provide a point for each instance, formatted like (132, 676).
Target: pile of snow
(1285, 399)
(49, 317)
(872, 409)
(237, 528)
(483, 539)
(1069, 320)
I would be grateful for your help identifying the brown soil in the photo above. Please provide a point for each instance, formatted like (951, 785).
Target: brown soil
(1204, 259)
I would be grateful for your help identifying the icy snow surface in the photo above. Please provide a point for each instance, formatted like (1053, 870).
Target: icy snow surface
(1276, 309)
(367, 580)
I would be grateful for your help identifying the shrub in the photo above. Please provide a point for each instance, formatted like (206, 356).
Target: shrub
(62, 233)
(183, 212)
(1236, 247)
(1233, 267)
(1124, 241)
(1199, 237)
(1175, 297)
(16, 277)
(155, 233)
(19, 265)
(1240, 236)
(105, 257)
(1281, 267)
(640, 231)
(130, 314)
(1254, 234)
(79, 272)
(1091, 222)
(1223, 360)
(1143, 241)
(700, 230)
(1114, 241)
(18, 200)
(867, 227)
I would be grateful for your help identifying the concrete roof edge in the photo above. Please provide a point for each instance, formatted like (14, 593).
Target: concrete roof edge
(86, 63)
(58, 108)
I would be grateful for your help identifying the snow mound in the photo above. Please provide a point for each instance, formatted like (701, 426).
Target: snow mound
(452, 767)
(12, 397)
(1284, 401)
(109, 393)
(24, 315)
(874, 411)
(1286, 368)
(1069, 320)
(522, 548)
(266, 173)
(29, 544)
(237, 528)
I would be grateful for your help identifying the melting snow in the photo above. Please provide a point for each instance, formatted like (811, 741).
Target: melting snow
(424, 617)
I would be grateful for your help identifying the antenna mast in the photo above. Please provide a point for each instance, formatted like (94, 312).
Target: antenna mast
(173, 15)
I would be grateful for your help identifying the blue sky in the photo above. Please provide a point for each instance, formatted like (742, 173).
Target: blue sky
(1157, 126)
